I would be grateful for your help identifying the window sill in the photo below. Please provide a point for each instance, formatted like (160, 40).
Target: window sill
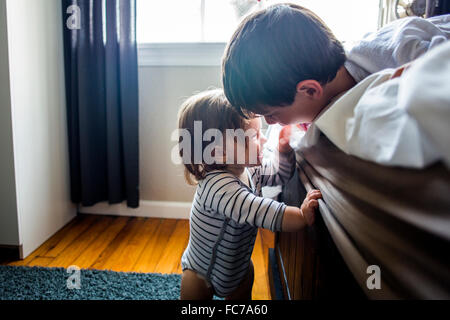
(180, 54)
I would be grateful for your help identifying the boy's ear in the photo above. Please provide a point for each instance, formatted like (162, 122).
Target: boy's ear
(310, 88)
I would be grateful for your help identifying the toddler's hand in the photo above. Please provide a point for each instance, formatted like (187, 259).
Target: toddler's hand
(303, 126)
(309, 205)
(283, 139)
(399, 71)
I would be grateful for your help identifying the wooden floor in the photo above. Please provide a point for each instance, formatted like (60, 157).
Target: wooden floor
(133, 244)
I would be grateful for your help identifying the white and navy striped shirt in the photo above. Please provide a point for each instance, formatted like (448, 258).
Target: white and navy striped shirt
(224, 221)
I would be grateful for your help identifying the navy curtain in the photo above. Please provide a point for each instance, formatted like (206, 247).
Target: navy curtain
(437, 7)
(101, 74)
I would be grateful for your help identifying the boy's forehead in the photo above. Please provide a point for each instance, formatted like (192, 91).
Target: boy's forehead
(263, 110)
(266, 110)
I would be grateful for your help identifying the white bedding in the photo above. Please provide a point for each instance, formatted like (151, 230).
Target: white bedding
(397, 43)
(397, 122)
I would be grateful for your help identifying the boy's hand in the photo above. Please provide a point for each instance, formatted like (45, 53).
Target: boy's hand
(309, 205)
(283, 139)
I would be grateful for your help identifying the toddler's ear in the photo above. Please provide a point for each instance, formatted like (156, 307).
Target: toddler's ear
(219, 155)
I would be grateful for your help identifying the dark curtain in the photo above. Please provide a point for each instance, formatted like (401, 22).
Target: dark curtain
(101, 76)
(437, 7)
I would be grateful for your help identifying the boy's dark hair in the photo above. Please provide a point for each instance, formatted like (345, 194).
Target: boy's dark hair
(273, 50)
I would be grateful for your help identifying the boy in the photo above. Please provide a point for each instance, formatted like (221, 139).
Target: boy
(285, 64)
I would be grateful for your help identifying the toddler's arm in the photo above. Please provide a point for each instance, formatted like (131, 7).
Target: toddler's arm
(228, 197)
(281, 168)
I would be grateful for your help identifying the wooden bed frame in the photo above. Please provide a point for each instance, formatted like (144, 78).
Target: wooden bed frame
(307, 264)
(394, 218)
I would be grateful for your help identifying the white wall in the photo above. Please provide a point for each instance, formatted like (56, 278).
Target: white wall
(163, 189)
(39, 119)
(162, 90)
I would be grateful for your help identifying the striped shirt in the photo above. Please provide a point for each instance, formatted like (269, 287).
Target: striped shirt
(224, 221)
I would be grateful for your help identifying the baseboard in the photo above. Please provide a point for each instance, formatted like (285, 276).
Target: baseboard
(150, 209)
(276, 289)
(282, 273)
(10, 253)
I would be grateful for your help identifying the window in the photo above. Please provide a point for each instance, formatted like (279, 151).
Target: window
(168, 21)
(204, 23)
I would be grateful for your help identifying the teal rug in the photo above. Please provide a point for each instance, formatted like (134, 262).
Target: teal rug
(38, 283)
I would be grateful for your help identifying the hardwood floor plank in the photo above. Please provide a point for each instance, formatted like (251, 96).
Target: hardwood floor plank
(68, 238)
(79, 245)
(267, 241)
(78, 222)
(95, 248)
(154, 249)
(186, 242)
(168, 263)
(260, 282)
(268, 238)
(115, 256)
(40, 262)
(136, 245)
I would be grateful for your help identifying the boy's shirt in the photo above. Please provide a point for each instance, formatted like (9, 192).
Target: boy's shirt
(396, 44)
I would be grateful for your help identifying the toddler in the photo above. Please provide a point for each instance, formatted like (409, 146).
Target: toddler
(228, 208)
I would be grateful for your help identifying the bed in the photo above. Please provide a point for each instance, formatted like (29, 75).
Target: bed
(396, 219)
(383, 231)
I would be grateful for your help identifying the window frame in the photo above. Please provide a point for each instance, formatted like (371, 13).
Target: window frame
(201, 54)
(196, 54)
